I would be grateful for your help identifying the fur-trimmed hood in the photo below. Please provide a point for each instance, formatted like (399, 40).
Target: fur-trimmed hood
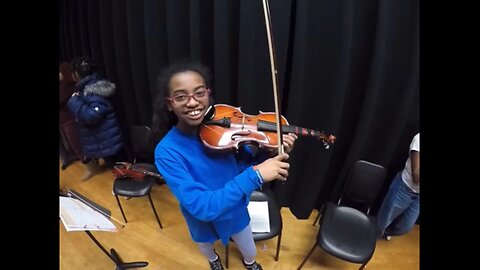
(102, 88)
(95, 84)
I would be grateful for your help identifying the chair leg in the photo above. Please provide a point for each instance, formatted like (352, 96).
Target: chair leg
(306, 258)
(226, 256)
(316, 219)
(121, 209)
(363, 266)
(154, 211)
(278, 246)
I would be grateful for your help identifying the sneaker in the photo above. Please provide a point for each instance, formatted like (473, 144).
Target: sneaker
(253, 266)
(217, 264)
(386, 237)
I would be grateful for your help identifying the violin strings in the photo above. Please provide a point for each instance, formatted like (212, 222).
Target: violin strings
(218, 133)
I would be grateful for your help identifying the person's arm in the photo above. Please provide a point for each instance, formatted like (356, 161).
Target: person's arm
(415, 164)
(91, 110)
(198, 199)
(65, 92)
(249, 156)
(206, 204)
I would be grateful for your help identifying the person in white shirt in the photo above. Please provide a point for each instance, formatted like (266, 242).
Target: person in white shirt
(401, 206)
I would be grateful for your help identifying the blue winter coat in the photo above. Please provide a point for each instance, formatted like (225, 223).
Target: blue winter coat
(99, 130)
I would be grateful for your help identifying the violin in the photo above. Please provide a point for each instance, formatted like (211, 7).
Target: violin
(225, 127)
(126, 169)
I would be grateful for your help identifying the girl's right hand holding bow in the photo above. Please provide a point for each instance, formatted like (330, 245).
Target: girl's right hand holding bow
(275, 168)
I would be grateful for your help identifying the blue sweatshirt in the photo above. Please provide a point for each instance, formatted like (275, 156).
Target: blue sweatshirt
(213, 188)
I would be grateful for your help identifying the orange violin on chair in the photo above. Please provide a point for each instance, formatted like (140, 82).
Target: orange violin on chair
(126, 169)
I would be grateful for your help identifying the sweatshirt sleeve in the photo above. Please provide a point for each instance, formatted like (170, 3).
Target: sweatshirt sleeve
(205, 204)
(248, 156)
(415, 144)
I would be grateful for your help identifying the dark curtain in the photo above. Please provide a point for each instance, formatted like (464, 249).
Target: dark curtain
(345, 67)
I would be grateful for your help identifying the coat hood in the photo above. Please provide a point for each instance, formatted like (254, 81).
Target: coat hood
(102, 88)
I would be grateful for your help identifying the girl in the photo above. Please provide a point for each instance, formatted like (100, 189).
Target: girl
(401, 206)
(70, 147)
(96, 117)
(213, 188)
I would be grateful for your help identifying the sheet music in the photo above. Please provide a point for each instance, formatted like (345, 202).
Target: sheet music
(78, 216)
(259, 217)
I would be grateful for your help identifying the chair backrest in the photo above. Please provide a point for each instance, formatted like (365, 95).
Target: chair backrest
(142, 142)
(363, 184)
(276, 223)
(275, 219)
(265, 195)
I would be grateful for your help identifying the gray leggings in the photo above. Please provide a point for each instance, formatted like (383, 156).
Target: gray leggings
(244, 241)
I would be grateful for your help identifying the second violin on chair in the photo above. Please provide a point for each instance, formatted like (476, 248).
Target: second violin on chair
(137, 179)
(135, 171)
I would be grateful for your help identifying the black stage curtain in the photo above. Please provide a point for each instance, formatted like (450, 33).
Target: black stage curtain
(345, 67)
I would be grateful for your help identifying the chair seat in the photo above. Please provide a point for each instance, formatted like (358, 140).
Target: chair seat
(347, 233)
(275, 228)
(133, 188)
(274, 214)
(275, 219)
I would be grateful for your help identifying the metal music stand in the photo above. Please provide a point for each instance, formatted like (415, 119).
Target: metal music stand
(113, 255)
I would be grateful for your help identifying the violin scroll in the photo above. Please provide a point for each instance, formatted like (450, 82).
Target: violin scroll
(327, 140)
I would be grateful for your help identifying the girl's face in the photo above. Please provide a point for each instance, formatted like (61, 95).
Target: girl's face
(188, 100)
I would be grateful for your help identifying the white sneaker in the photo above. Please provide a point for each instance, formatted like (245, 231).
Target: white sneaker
(386, 237)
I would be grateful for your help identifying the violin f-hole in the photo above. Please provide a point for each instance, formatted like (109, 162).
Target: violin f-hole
(240, 134)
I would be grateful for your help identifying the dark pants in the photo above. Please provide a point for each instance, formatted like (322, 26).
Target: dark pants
(65, 156)
(71, 139)
(110, 160)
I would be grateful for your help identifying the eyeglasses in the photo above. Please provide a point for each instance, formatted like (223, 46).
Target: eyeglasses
(183, 99)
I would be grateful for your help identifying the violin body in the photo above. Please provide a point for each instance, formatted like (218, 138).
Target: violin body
(126, 169)
(228, 127)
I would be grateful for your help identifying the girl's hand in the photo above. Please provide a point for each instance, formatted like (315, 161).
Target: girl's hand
(274, 168)
(289, 141)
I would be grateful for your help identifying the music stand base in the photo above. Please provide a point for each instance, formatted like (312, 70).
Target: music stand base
(113, 255)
